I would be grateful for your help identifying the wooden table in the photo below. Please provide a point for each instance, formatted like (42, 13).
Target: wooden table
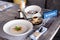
(11, 13)
(49, 35)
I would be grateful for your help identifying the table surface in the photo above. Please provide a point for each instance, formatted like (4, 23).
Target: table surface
(52, 30)
(11, 13)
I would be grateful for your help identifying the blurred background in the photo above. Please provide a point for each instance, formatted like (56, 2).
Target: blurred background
(46, 4)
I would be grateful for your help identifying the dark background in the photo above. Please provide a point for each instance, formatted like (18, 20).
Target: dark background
(8, 0)
(48, 4)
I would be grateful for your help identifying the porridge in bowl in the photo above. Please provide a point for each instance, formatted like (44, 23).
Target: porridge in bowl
(18, 29)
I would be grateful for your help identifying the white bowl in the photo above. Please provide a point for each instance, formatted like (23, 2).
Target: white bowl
(18, 22)
(33, 7)
(30, 8)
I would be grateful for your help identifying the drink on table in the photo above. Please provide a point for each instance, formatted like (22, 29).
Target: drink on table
(21, 3)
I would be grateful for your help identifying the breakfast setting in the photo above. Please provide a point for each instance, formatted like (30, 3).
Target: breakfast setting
(27, 22)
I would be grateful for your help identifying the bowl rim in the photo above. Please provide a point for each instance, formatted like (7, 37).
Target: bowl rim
(18, 34)
(33, 6)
